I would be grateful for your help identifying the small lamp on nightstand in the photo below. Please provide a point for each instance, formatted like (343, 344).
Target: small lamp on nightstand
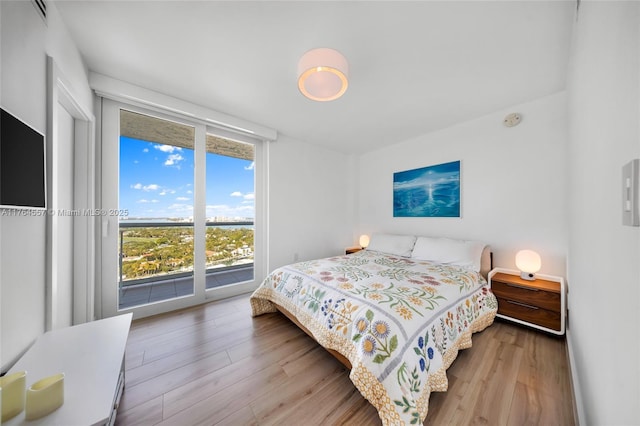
(528, 262)
(364, 241)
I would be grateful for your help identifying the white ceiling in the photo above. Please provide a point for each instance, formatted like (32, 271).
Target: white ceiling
(415, 67)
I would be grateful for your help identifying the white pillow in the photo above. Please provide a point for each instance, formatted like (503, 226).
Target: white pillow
(399, 245)
(446, 250)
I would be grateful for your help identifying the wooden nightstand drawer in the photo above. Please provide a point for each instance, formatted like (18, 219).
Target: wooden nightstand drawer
(539, 303)
(528, 295)
(529, 313)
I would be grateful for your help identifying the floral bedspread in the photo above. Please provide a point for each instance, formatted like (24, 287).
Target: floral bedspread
(400, 322)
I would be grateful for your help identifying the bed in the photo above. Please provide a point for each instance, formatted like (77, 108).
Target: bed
(396, 314)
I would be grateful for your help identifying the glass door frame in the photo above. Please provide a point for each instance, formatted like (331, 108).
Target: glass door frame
(259, 236)
(109, 227)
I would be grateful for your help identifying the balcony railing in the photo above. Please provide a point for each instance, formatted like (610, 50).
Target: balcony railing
(157, 257)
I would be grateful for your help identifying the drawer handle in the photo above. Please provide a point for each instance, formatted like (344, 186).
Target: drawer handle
(522, 287)
(523, 304)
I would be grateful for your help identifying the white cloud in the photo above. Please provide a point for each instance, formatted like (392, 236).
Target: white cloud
(251, 166)
(177, 207)
(147, 188)
(189, 192)
(143, 201)
(182, 199)
(145, 150)
(167, 148)
(249, 196)
(173, 160)
(225, 210)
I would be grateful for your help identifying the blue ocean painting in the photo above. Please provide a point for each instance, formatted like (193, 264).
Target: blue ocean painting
(432, 191)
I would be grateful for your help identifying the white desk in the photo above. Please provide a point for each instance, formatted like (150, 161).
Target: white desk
(91, 356)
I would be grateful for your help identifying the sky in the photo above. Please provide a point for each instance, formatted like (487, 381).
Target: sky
(157, 181)
(438, 174)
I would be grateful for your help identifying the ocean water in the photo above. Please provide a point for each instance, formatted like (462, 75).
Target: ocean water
(433, 199)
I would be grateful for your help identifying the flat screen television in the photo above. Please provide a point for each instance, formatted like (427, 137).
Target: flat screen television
(22, 165)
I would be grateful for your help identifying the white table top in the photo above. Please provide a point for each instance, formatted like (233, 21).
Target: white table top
(90, 355)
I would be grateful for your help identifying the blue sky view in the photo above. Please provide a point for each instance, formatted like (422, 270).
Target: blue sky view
(157, 181)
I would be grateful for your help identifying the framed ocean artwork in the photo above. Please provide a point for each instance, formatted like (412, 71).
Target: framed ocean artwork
(432, 191)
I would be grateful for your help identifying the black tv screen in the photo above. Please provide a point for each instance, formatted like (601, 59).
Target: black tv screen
(22, 164)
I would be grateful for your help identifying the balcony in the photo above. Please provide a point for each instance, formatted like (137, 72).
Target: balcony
(158, 256)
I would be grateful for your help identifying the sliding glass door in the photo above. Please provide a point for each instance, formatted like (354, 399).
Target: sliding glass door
(155, 204)
(179, 203)
(230, 211)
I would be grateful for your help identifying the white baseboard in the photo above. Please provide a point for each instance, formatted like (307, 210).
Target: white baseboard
(575, 383)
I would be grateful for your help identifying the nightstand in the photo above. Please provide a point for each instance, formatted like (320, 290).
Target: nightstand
(352, 250)
(540, 303)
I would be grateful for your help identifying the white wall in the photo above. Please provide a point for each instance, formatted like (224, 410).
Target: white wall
(512, 183)
(310, 202)
(25, 43)
(604, 255)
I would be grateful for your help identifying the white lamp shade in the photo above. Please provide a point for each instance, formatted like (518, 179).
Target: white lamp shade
(323, 74)
(364, 240)
(528, 262)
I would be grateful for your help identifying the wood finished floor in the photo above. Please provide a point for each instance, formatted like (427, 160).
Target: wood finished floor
(215, 365)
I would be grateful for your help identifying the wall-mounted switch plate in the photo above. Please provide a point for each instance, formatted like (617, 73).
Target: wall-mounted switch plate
(630, 193)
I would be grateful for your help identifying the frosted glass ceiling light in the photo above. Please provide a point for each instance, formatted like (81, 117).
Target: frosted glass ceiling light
(322, 74)
(528, 262)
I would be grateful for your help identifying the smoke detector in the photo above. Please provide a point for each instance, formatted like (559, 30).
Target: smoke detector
(512, 119)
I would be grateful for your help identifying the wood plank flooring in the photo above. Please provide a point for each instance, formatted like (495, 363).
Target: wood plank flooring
(215, 365)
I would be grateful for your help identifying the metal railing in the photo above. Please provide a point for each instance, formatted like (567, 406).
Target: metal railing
(125, 226)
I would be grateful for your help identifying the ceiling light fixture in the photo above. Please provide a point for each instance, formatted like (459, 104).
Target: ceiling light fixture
(322, 74)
